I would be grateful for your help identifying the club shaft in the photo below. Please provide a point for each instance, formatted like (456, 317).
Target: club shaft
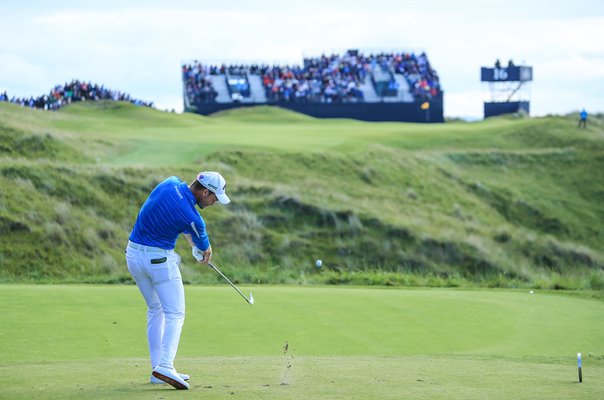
(229, 281)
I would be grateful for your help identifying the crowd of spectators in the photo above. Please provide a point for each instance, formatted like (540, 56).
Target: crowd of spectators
(71, 92)
(198, 84)
(335, 78)
(323, 79)
(423, 80)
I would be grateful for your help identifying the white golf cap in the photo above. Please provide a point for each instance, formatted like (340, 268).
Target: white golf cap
(215, 183)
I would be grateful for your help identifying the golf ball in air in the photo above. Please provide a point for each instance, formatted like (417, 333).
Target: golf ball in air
(531, 292)
(319, 263)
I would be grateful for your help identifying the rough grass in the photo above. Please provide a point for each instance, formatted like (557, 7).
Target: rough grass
(499, 203)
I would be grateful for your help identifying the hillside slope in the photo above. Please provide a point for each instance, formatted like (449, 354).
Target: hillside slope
(504, 202)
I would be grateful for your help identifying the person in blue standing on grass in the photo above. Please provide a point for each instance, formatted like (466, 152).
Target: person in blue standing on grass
(168, 212)
(583, 119)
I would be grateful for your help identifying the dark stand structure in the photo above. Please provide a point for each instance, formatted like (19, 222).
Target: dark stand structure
(507, 89)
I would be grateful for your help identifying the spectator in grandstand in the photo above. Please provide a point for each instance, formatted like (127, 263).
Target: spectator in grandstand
(582, 119)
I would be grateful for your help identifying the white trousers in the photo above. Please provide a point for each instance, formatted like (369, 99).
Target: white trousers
(161, 285)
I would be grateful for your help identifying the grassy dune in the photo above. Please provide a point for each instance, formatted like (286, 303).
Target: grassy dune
(500, 203)
(370, 343)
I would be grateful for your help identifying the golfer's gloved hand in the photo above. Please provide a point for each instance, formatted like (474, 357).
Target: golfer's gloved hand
(198, 254)
(202, 256)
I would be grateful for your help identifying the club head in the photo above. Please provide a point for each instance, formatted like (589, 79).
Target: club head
(251, 300)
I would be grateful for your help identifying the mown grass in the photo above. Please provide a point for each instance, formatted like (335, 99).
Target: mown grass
(316, 377)
(501, 203)
(88, 341)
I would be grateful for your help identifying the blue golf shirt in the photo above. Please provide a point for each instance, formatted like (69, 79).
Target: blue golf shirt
(169, 211)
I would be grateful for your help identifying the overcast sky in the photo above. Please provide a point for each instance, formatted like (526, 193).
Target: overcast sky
(138, 46)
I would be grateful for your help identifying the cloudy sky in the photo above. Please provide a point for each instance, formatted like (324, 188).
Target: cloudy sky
(138, 46)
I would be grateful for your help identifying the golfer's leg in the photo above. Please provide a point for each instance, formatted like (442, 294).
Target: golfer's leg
(155, 316)
(155, 328)
(171, 294)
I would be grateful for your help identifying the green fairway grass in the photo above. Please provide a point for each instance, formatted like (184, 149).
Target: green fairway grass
(140, 135)
(69, 342)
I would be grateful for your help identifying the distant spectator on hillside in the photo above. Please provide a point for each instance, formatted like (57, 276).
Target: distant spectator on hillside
(583, 119)
(73, 91)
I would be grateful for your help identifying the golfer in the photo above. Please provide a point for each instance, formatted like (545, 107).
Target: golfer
(169, 211)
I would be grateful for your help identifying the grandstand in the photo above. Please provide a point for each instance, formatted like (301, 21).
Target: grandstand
(393, 86)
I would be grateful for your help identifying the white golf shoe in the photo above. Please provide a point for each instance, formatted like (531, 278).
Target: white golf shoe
(153, 380)
(171, 377)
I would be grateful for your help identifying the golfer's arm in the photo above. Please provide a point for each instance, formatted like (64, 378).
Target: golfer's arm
(189, 239)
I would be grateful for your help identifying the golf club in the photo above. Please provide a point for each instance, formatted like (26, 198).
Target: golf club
(250, 300)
